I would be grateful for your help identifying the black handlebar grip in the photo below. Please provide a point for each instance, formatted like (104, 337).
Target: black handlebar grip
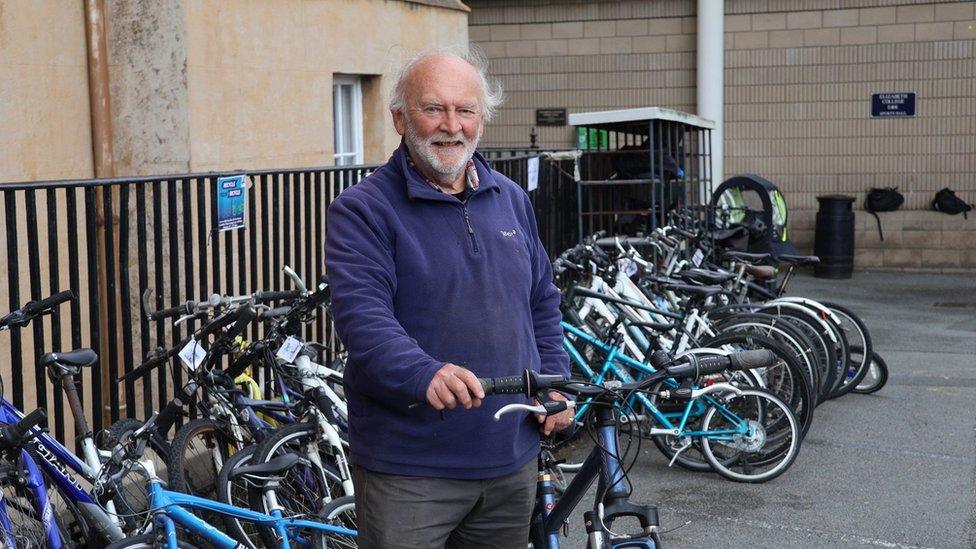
(34, 307)
(158, 358)
(712, 364)
(511, 385)
(276, 295)
(747, 360)
(244, 316)
(14, 434)
(684, 233)
(220, 322)
(179, 310)
(272, 313)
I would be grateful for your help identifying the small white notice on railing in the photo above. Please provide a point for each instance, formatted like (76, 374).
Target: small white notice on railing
(533, 178)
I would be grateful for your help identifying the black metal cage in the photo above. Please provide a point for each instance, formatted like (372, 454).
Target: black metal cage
(638, 165)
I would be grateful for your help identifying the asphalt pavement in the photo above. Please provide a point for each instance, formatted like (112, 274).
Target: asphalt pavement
(894, 469)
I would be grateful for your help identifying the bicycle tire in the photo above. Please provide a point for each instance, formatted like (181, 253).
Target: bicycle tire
(826, 349)
(237, 493)
(692, 459)
(876, 377)
(340, 512)
(780, 331)
(302, 489)
(764, 411)
(194, 442)
(860, 347)
(793, 387)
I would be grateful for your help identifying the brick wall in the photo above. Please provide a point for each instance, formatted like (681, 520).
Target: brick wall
(798, 80)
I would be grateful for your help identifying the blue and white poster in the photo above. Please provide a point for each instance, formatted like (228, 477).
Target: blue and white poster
(231, 195)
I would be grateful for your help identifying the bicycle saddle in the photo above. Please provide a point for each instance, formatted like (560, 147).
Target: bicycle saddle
(745, 256)
(69, 363)
(274, 467)
(705, 277)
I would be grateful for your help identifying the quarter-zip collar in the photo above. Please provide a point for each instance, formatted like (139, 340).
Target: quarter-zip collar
(419, 189)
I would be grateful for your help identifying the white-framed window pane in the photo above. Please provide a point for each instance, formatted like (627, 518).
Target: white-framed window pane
(347, 120)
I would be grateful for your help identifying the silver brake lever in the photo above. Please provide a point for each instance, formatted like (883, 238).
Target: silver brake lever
(535, 409)
(297, 279)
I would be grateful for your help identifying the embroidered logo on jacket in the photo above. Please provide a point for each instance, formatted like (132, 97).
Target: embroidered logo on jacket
(509, 234)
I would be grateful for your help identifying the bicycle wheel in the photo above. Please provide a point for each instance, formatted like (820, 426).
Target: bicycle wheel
(825, 348)
(786, 378)
(766, 436)
(782, 332)
(690, 456)
(339, 512)
(145, 541)
(876, 377)
(237, 493)
(199, 451)
(859, 343)
(306, 488)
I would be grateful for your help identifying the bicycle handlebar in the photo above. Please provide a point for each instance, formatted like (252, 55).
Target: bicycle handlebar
(31, 309)
(13, 436)
(158, 357)
(187, 308)
(264, 297)
(530, 383)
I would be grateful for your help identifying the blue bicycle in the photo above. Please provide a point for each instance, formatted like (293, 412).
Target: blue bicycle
(172, 515)
(43, 463)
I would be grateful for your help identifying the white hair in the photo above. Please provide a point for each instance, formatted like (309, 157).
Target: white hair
(491, 89)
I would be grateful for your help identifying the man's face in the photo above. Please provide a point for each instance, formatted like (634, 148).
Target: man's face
(444, 117)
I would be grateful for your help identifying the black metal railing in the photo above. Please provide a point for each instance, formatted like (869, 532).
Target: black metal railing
(160, 234)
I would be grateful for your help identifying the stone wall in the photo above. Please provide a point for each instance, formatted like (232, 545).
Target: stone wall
(798, 80)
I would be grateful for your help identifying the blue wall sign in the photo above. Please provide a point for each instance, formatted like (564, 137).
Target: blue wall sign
(898, 104)
(231, 196)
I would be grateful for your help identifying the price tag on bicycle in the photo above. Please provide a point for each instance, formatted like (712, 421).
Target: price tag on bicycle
(289, 349)
(698, 257)
(193, 354)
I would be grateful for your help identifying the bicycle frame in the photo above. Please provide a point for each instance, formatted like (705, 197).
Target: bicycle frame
(57, 463)
(170, 509)
(695, 405)
(602, 463)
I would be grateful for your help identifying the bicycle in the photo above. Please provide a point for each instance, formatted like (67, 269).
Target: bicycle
(605, 462)
(171, 513)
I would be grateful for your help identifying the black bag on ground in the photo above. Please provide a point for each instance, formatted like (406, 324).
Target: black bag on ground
(947, 202)
(887, 199)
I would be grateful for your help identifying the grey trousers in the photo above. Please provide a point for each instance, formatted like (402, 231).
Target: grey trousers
(402, 512)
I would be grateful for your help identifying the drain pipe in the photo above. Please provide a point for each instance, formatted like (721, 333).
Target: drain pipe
(711, 42)
(101, 124)
(98, 89)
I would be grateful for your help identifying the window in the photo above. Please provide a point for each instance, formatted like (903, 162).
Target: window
(347, 119)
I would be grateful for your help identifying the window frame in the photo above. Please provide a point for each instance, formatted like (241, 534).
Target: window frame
(355, 111)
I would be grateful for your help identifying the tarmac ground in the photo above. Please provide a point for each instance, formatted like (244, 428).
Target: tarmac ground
(895, 469)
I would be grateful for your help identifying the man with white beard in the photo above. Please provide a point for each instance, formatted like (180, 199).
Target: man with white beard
(438, 278)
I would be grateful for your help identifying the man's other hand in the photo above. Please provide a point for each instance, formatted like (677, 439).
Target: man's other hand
(453, 385)
(555, 422)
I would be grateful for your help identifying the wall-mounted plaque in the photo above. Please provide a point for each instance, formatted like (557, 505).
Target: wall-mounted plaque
(893, 105)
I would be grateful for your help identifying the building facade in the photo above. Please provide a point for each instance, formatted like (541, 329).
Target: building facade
(200, 85)
(798, 80)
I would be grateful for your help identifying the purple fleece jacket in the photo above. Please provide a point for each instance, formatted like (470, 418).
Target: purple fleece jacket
(420, 279)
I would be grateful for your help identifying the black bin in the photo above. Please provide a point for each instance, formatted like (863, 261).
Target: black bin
(834, 238)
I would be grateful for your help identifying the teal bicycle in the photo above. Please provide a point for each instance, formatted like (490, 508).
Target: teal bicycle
(743, 433)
